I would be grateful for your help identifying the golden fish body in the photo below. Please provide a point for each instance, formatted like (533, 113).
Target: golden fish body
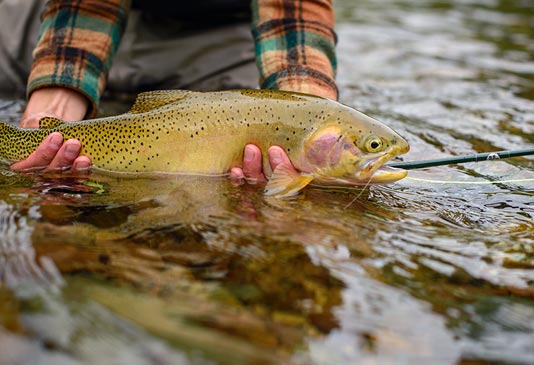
(186, 132)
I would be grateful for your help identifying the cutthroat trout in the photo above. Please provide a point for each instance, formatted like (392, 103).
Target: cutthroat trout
(185, 132)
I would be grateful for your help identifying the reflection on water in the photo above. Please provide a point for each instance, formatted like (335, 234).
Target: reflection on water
(197, 271)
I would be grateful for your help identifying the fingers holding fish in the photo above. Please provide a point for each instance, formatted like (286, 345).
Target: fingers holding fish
(252, 171)
(278, 156)
(81, 165)
(64, 158)
(252, 164)
(54, 155)
(42, 156)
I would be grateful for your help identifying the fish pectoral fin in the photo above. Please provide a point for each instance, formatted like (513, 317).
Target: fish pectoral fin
(286, 181)
(151, 100)
(50, 122)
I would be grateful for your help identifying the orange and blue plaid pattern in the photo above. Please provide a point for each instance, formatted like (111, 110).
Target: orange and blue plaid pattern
(295, 43)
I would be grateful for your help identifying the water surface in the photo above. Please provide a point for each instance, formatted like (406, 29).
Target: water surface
(198, 271)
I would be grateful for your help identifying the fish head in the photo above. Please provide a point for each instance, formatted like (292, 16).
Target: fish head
(351, 148)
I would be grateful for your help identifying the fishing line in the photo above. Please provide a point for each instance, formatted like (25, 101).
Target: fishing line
(358, 196)
(469, 182)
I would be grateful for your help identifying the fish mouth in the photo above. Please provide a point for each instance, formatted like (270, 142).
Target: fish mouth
(375, 172)
(387, 174)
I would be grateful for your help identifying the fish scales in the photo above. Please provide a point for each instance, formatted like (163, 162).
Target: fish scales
(188, 132)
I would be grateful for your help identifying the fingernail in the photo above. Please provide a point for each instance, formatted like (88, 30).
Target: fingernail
(82, 166)
(55, 141)
(249, 154)
(72, 150)
(276, 156)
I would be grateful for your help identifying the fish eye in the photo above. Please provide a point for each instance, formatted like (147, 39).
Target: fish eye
(373, 144)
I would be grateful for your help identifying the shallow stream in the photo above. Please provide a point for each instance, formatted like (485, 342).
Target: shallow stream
(197, 271)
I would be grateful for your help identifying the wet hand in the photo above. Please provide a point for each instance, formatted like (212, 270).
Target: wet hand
(54, 154)
(252, 170)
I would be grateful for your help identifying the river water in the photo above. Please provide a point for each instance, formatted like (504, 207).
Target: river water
(197, 271)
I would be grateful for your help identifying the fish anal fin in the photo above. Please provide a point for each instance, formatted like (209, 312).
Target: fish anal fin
(286, 182)
(50, 122)
(151, 100)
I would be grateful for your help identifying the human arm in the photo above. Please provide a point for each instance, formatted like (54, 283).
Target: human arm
(76, 44)
(295, 51)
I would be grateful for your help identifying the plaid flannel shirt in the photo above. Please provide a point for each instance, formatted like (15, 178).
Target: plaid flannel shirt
(78, 39)
(295, 43)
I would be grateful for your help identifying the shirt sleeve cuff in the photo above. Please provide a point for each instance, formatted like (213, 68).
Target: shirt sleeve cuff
(302, 79)
(77, 74)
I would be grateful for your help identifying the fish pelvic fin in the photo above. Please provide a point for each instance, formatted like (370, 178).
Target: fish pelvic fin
(286, 182)
(50, 122)
(151, 100)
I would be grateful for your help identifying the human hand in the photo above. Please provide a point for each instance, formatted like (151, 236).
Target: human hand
(53, 154)
(252, 170)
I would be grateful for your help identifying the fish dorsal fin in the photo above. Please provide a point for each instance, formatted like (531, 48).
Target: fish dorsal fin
(286, 182)
(151, 100)
(50, 122)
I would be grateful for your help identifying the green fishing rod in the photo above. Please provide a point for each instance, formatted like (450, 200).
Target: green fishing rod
(486, 156)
